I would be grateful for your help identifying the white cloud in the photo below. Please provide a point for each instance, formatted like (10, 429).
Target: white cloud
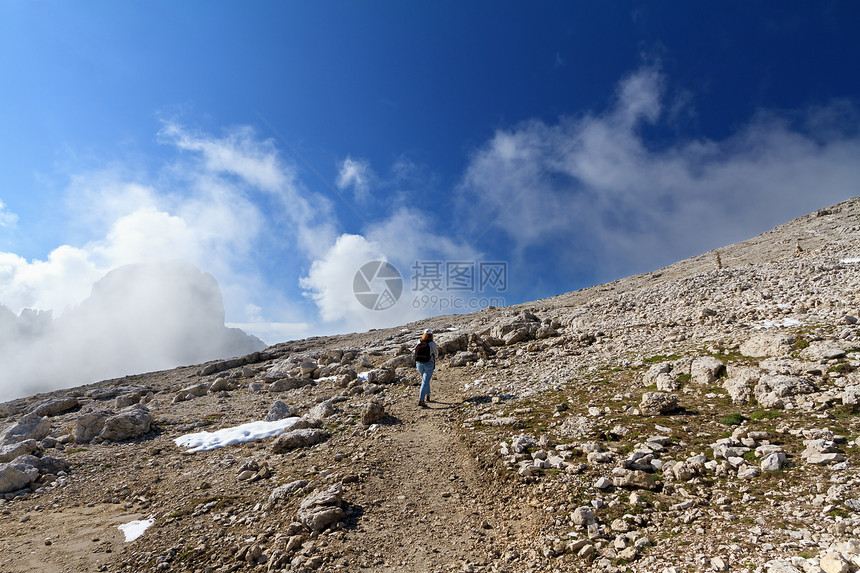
(7, 218)
(258, 164)
(330, 280)
(204, 208)
(355, 173)
(403, 238)
(65, 278)
(596, 186)
(238, 153)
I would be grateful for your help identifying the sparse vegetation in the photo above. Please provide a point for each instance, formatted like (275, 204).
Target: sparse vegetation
(732, 420)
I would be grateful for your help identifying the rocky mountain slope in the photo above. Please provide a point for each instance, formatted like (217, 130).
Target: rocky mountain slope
(702, 417)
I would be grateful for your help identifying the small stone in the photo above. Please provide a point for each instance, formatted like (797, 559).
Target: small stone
(583, 516)
(603, 483)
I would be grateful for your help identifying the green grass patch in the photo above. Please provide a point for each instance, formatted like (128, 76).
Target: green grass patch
(842, 368)
(730, 356)
(732, 420)
(760, 415)
(661, 358)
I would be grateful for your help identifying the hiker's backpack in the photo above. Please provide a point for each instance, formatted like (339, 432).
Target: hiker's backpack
(422, 351)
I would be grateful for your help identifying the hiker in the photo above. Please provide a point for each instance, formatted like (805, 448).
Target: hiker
(426, 354)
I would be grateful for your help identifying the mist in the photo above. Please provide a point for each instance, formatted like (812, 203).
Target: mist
(139, 318)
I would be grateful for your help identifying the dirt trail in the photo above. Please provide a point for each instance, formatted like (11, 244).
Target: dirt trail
(421, 500)
(78, 539)
(430, 507)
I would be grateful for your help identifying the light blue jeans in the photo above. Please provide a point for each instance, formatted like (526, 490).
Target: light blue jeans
(426, 370)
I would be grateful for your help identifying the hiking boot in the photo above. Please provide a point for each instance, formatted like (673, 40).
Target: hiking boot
(422, 403)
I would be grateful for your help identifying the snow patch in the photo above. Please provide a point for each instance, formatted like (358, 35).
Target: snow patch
(780, 323)
(473, 384)
(851, 260)
(203, 441)
(134, 529)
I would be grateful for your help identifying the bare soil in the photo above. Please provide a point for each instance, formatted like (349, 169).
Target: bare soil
(421, 498)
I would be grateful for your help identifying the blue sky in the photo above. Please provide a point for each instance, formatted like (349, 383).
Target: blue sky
(281, 145)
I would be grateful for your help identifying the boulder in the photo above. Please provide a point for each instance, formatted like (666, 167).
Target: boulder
(307, 368)
(780, 566)
(89, 425)
(54, 406)
(221, 385)
(113, 392)
(301, 438)
(515, 336)
(322, 509)
(16, 475)
(196, 390)
(29, 427)
(380, 376)
(545, 332)
(771, 388)
(128, 424)
(821, 451)
(767, 344)
(401, 361)
(739, 384)
(655, 371)
(45, 464)
(286, 384)
(522, 443)
(635, 479)
(452, 343)
(656, 403)
(834, 563)
(851, 397)
(373, 412)
(748, 472)
(825, 459)
(823, 350)
(705, 370)
(278, 411)
(11, 451)
(667, 383)
(583, 516)
(127, 400)
(773, 462)
(321, 411)
(463, 358)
